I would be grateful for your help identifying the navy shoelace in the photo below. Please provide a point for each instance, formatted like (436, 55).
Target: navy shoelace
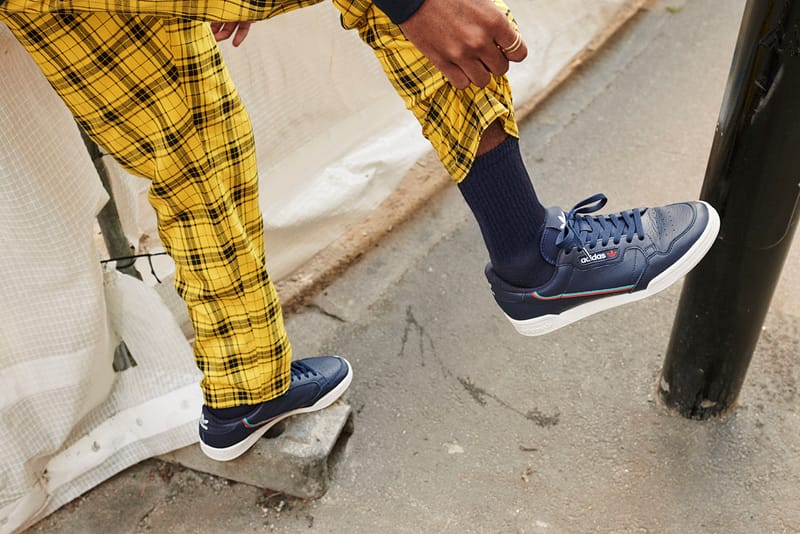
(300, 370)
(582, 231)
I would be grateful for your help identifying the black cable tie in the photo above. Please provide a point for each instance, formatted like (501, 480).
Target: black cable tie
(134, 257)
(152, 269)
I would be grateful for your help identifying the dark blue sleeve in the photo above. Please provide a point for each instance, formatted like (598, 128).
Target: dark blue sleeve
(399, 10)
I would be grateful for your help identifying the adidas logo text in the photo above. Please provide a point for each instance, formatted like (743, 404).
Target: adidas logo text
(591, 258)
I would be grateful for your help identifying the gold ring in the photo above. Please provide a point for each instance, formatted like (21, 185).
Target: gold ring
(513, 47)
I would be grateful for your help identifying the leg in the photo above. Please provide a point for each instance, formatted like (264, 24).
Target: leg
(160, 101)
(535, 279)
(470, 130)
(156, 95)
(454, 121)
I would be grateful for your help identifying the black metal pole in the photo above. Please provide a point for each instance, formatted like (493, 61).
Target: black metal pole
(753, 179)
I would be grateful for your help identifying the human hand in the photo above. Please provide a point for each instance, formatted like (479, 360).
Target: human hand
(223, 31)
(465, 39)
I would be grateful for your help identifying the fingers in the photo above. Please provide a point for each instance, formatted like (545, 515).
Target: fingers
(519, 54)
(455, 76)
(496, 62)
(511, 43)
(224, 30)
(241, 32)
(477, 73)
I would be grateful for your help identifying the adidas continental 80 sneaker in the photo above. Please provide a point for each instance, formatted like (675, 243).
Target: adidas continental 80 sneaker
(603, 261)
(316, 384)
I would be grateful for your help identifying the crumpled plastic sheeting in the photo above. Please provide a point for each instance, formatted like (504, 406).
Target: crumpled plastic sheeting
(60, 320)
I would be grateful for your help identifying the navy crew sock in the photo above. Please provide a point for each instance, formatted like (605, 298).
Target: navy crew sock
(499, 192)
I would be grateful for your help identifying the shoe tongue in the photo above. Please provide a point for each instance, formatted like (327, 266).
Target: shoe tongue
(553, 225)
(555, 218)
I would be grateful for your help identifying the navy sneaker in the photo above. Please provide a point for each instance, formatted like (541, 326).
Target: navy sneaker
(316, 384)
(602, 261)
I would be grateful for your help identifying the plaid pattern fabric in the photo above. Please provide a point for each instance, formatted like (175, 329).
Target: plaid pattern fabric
(198, 10)
(145, 80)
(452, 120)
(155, 94)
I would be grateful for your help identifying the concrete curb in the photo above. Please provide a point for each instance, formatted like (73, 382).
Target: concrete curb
(297, 462)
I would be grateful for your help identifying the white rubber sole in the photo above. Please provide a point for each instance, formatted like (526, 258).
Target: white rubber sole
(227, 454)
(545, 324)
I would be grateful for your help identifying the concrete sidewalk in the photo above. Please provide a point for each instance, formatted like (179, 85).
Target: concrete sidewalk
(463, 426)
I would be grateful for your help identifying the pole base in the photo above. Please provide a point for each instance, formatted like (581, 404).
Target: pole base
(698, 408)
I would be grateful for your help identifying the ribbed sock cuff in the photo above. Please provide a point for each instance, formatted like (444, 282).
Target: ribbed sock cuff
(499, 192)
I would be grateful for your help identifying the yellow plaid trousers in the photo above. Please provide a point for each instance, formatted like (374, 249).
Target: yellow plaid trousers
(145, 80)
